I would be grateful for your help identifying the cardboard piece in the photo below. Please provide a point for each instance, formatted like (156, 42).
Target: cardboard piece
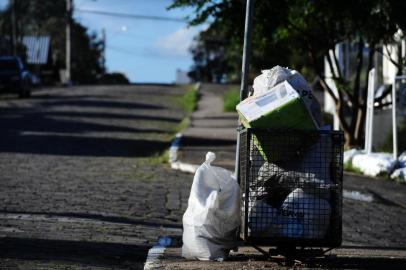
(280, 108)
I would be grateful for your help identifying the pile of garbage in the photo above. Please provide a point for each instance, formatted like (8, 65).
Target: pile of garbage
(289, 193)
(377, 164)
(287, 197)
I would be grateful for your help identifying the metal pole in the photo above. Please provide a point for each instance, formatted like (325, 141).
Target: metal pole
(13, 27)
(68, 40)
(369, 123)
(246, 50)
(245, 71)
(394, 122)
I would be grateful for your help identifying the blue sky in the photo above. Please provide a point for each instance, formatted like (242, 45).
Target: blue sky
(144, 50)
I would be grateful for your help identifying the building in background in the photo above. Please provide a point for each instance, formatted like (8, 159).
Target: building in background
(182, 77)
(386, 72)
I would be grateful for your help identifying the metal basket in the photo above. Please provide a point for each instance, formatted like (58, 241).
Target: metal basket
(292, 187)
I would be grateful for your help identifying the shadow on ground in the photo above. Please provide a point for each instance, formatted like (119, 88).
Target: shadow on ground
(195, 141)
(39, 129)
(80, 146)
(78, 252)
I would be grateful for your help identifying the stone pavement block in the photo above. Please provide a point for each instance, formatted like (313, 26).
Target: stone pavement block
(74, 177)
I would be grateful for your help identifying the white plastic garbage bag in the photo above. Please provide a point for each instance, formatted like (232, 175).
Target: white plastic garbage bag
(402, 160)
(212, 215)
(309, 215)
(350, 154)
(374, 164)
(261, 217)
(269, 78)
(399, 174)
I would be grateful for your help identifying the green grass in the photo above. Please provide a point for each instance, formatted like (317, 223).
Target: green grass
(156, 159)
(181, 126)
(231, 98)
(189, 100)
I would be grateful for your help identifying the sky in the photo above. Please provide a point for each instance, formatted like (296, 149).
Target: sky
(144, 50)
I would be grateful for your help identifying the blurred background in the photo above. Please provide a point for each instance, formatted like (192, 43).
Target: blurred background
(334, 45)
(138, 40)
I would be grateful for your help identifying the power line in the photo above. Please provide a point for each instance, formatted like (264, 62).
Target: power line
(131, 16)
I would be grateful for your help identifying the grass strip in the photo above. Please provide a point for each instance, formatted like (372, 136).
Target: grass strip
(231, 98)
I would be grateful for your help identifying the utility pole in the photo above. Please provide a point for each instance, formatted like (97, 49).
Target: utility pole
(103, 56)
(68, 40)
(244, 72)
(13, 27)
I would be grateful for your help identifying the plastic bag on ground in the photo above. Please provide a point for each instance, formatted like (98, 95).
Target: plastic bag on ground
(350, 154)
(399, 174)
(402, 160)
(374, 164)
(212, 215)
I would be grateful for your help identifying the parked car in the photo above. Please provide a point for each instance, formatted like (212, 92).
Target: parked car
(14, 77)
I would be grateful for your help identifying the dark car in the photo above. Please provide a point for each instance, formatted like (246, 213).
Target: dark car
(14, 77)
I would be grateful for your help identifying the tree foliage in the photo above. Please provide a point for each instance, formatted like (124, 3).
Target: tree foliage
(302, 34)
(114, 78)
(36, 17)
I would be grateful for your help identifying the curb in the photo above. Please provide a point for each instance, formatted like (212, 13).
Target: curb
(156, 253)
(173, 157)
(154, 258)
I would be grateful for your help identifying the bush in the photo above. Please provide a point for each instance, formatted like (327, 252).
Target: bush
(231, 98)
(113, 78)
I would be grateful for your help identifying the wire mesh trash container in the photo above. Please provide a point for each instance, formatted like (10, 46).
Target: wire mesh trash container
(292, 187)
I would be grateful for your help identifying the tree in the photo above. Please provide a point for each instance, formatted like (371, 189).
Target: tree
(38, 17)
(302, 33)
(114, 78)
(208, 56)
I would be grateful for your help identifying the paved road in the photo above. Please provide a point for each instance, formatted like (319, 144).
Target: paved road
(79, 190)
(77, 185)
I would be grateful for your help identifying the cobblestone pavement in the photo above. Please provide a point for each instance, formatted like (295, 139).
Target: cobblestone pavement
(78, 186)
(79, 189)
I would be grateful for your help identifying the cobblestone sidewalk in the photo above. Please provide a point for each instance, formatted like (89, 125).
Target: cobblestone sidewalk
(80, 187)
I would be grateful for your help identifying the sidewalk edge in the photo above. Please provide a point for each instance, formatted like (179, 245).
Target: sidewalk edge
(173, 157)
